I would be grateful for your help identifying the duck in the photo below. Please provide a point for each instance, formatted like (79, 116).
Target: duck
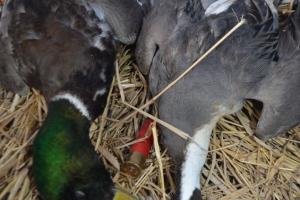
(259, 61)
(66, 50)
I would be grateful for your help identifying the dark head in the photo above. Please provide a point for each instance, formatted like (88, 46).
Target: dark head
(65, 165)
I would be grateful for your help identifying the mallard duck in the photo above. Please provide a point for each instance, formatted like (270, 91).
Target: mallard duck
(66, 49)
(259, 61)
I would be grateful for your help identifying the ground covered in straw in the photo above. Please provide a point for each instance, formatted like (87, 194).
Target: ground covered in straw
(239, 166)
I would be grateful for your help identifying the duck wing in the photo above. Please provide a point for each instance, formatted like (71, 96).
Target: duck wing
(280, 90)
(124, 16)
(9, 78)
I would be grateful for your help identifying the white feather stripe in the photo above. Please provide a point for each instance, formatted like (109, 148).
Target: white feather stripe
(79, 105)
(218, 7)
(194, 160)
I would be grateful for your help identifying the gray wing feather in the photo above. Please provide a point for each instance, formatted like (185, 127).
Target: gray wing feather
(9, 78)
(124, 16)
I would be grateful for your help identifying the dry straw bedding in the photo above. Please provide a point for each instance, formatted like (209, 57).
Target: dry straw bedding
(239, 166)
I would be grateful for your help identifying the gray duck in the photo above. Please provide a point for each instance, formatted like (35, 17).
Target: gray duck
(260, 61)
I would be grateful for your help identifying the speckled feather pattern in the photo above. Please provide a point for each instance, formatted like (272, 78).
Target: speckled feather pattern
(61, 46)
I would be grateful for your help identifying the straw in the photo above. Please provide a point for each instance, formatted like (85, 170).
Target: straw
(239, 165)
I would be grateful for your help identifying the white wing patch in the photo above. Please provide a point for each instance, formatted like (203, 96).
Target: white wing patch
(98, 43)
(97, 40)
(195, 158)
(79, 105)
(196, 153)
(99, 92)
(218, 7)
(139, 2)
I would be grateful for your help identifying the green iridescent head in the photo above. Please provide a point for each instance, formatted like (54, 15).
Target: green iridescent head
(65, 165)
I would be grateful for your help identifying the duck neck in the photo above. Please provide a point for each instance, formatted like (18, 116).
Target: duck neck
(64, 119)
(55, 150)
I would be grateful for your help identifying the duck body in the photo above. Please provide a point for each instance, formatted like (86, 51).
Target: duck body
(67, 50)
(258, 61)
(50, 30)
(57, 47)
